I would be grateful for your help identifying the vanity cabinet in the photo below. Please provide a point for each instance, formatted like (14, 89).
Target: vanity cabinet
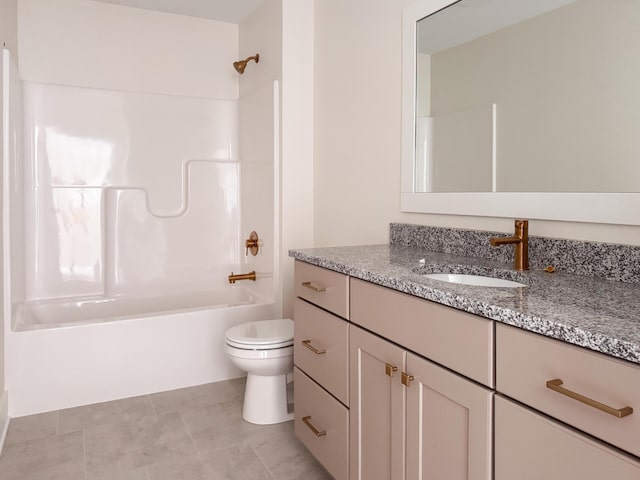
(378, 407)
(411, 418)
(321, 371)
(530, 446)
(390, 386)
(583, 390)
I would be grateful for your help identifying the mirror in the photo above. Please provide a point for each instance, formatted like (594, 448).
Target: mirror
(522, 109)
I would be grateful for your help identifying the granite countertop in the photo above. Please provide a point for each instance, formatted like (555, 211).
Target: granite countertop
(602, 315)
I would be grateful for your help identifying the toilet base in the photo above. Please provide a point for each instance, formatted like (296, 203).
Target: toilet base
(265, 399)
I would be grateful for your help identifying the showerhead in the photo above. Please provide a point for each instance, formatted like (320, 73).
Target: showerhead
(240, 65)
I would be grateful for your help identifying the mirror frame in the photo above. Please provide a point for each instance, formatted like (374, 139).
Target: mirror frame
(612, 208)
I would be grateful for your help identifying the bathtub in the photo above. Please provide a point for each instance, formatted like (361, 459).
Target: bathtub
(72, 352)
(98, 309)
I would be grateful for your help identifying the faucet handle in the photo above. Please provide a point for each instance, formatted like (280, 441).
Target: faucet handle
(520, 239)
(521, 225)
(252, 244)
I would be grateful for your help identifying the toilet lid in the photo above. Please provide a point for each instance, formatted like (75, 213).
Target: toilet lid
(261, 335)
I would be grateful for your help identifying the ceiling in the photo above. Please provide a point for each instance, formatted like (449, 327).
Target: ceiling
(232, 11)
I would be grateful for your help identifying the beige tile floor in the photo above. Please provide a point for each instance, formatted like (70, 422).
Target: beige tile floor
(194, 433)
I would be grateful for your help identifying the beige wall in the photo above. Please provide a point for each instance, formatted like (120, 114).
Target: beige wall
(357, 134)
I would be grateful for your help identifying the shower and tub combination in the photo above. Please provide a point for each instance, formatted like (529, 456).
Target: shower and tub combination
(124, 214)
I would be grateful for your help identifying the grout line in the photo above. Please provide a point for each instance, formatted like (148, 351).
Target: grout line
(186, 429)
(57, 422)
(262, 461)
(84, 453)
(153, 407)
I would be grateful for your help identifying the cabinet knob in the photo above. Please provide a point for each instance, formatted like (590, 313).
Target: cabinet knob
(406, 379)
(389, 369)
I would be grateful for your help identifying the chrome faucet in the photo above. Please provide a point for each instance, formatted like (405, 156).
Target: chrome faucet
(521, 240)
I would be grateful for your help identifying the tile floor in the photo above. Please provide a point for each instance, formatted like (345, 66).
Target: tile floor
(194, 433)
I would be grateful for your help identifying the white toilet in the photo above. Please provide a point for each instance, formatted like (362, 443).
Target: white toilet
(264, 350)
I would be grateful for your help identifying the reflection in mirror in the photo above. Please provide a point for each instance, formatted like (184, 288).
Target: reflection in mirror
(528, 96)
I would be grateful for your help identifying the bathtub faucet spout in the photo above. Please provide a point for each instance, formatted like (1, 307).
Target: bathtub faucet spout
(233, 278)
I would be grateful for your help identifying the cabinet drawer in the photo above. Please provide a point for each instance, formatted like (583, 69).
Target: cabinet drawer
(321, 348)
(550, 451)
(325, 288)
(330, 419)
(457, 340)
(526, 362)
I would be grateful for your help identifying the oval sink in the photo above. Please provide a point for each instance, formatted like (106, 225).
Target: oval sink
(478, 280)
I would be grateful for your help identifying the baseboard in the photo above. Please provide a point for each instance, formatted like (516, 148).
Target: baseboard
(4, 418)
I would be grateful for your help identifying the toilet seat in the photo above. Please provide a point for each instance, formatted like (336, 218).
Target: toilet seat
(261, 335)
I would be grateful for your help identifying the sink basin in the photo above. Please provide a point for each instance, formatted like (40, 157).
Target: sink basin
(478, 280)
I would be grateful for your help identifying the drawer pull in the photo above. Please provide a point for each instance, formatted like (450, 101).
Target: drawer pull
(556, 383)
(317, 351)
(313, 287)
(389, 369)
(315, 431)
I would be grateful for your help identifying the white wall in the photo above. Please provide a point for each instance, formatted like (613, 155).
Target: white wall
(3, 402)
(357, 134)
(259, 141)
(297, 178)
(95, 44)
(282, 32)
(8, 37)
(261, 32)
(9, 25)
(357, 120)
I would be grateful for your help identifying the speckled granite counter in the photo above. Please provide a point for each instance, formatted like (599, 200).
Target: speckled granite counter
(602, 315)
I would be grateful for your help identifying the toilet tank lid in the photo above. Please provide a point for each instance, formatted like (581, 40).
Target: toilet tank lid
(262, 332)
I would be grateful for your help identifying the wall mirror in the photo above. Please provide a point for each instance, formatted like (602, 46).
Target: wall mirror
(522, 109)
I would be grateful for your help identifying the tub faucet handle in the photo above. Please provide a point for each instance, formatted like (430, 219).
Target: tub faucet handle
(252, 243)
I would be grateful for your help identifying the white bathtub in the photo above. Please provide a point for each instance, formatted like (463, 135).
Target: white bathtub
(96, 309)
(67, 353)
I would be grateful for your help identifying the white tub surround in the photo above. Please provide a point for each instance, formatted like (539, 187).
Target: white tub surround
(124, 211)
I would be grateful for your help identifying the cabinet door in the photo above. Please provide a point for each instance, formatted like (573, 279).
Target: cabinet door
(449, 425)
(532, 447)
(377, 415)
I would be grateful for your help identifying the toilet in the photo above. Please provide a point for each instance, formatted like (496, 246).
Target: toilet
(263, 349)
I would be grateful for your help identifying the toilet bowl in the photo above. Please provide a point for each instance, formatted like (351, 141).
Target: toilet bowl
(264, 350)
